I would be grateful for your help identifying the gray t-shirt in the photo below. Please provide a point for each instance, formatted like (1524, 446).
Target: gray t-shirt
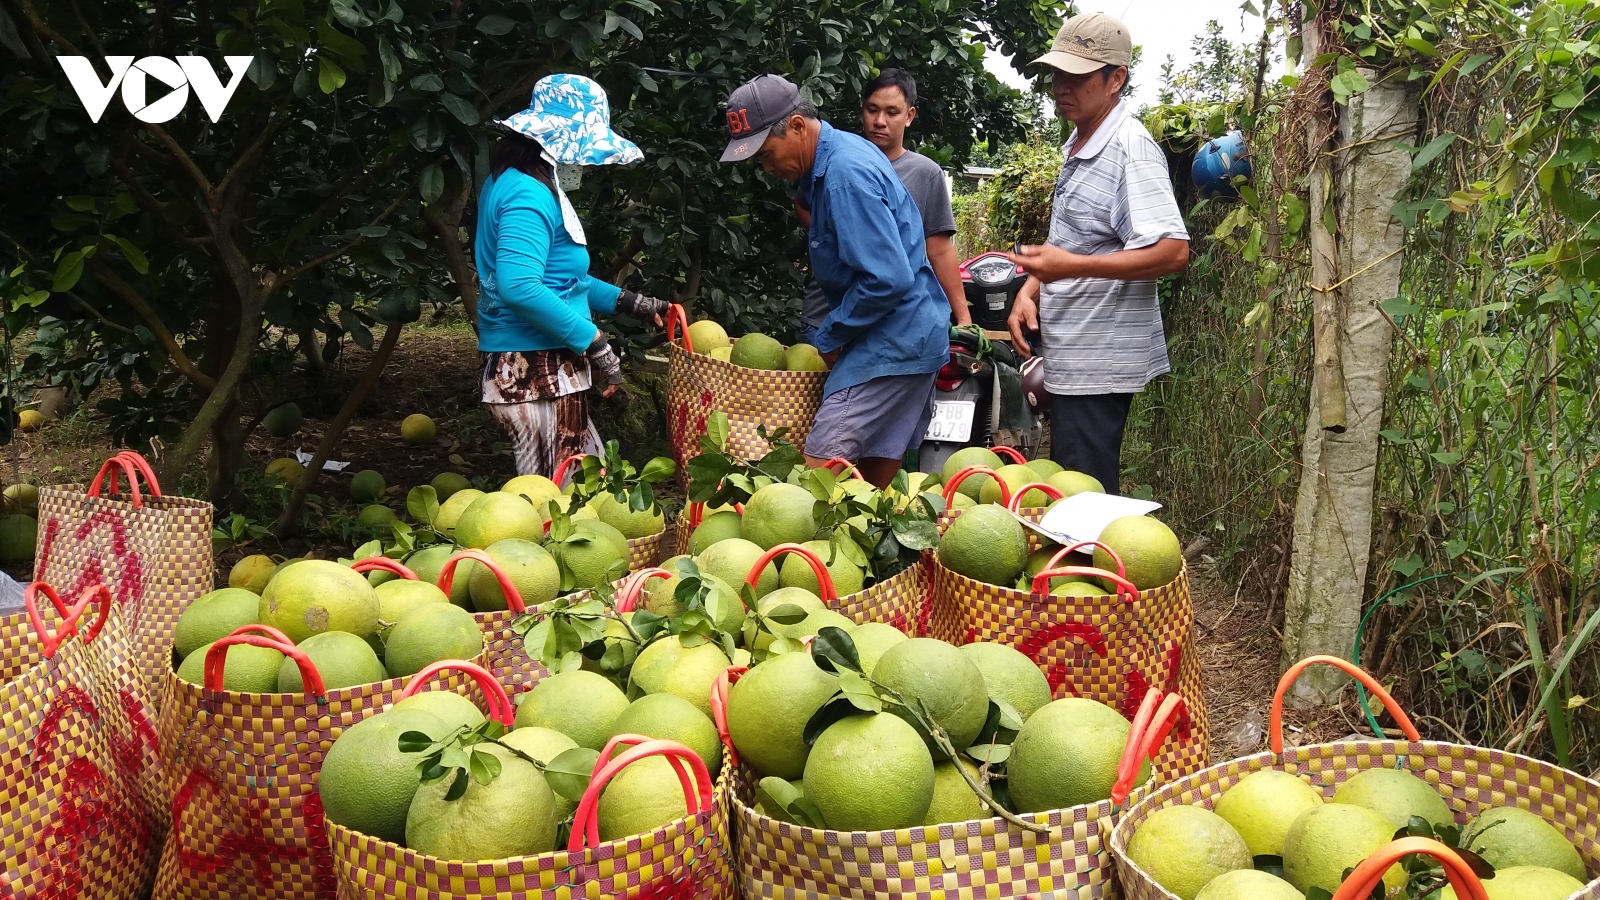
(925, 181)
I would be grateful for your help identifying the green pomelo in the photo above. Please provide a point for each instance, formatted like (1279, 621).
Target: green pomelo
(378, 519)
(816, 621)
(1525, 883)
(448, 484)
(367, 784)
(1069, 482)
(248, 669)
(757, 351)
(581, 705)
(1184, 847)
(870, 773)
(212, 617)
(666, 666)
(252, 573)
(513, 815)
(1067, 754)
(966, 458)
(285, 469)
(600, 559)
(874, 639)
(944, 680)
(642, 797)
(672, 718)
(706, 336)
(780, 513)
(804, 358)
(1010, 676)
(417, 429)
(316, 596)
(283, 421)
(531, 568)
(544, 745)
(1248, 884)
(1328, 839)
(1395, 795)
(723, 353)
(616, 635)
(1263, 805)
(848, 578)
(953, 799)
(496, 517)
(960, 501)
(732, 559)
(808, 602)
(367, 485)
(22, 497)
(342, 659)
(428, 562)
(633, 524)
(1148, 549)
(768, 710)
(449, 707)
(1508, 836)
(713, 528)
(985, 543)
(450, 510)
(398, 597)
(429, 634)
(18, 536)
(1045, 469)
(1015, 476)
(1074, 587)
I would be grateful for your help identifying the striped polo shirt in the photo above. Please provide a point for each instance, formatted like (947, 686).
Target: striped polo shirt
(1099, 335)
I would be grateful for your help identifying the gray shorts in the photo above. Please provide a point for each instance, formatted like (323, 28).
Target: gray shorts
(877, 419)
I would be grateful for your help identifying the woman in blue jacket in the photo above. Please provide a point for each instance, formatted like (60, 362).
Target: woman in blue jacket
(537, 300)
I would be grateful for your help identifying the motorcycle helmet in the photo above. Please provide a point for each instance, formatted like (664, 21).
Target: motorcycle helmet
(1033, 383)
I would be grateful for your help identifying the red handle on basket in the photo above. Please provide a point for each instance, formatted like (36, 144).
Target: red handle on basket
(1158, 712)
(696, 794)
(1275, 728)
(447, 577)
(675, 316)
(1073, 548)
(132, 465)
(51, 641)
(844, 466)
(955, 482)
(1367, 875)
(561, 470)
(1125, 588)
(501, 708)
(1012, 454)
(384, 563)
(261, 636)
(719, 705)
(1049, 491)
(633, 587)
(829, 593)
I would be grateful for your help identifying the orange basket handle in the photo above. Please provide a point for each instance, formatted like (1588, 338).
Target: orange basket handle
(719, 705)
(1048, 490)
(51, 641)
(447, 577)
(1158, 712)
(261, 636)
(1011, 453)
(955, 482)
(695, 512)
(575, 459)
(1275, 727)
(1125, 588)
(829, 593)
(696, 792)
(501, 708)
(1367, 875)
(841, 466)
(385, 564)
(633, 587)
(677, 316)
(110, 467)
(1069, 549)
(141, 466)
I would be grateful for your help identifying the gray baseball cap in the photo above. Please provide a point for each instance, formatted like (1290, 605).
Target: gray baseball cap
(754, 107)
(1089, 43)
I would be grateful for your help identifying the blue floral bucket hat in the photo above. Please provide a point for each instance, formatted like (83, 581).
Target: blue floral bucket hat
(571, 117)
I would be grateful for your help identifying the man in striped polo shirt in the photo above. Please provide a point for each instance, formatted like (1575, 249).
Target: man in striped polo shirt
(1114, 229)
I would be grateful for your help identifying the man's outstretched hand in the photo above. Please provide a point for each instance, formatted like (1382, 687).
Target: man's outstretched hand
(1047, 262)
(1024, 318)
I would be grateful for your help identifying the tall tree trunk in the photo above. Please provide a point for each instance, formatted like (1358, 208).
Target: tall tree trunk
(1353, 271)
(227, 456)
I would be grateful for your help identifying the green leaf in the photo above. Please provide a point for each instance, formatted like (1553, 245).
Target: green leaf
(1347, 84)
(485, 767)
(432, 184)
(658, 469)
(1454, 549)
(465, 112)
(1473, 62)
(859, 691)
(414, 742)
(993, 754)
(132, 254)
(1446, 458)
(838, 708)
(80, 203)
(330, 77)
(1570, 98)
(1394, 436)
(717, 429)
(68, 271)
(458, 787)
(496, 25)
(786, 614)
(1398, 308)
(422, 502)
(1408, 566)
(1431, 152)
(349, 15)
(833, 650)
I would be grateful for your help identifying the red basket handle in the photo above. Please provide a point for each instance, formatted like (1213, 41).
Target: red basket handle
(1371, 871)
(1011, 453)
(955, 482)
(633, 587)
(719, 705)
(384, 563)
(695, 512)
(1125, 588)
(501, 709)
(1049, 491)
(110, 467)
(1275, 727)
(141, 466)
(261, 636)
(569, 462)
(844, 466)
(51, 641)
(1158, 712)
(675, 316)
(1069, 549)
(829, 593)
(696, 792)
(447, 577)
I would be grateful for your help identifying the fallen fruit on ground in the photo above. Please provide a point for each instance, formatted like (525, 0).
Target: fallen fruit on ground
(367, 485)
(252, 573)
(283, 421)
(417, 429)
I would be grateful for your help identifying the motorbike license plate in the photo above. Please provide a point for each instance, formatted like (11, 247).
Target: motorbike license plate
(952, 420)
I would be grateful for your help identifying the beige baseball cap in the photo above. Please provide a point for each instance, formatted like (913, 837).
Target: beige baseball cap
(1088, 43)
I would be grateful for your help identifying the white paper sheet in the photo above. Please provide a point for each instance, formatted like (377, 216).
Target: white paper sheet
(328, 465)
(1082, 517)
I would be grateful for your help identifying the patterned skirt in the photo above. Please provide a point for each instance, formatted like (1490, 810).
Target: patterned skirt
(541, 398)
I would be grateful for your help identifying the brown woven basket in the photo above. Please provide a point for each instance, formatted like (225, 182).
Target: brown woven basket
(1470, 779)
(73, 751)
(698, 385)
(242, 770)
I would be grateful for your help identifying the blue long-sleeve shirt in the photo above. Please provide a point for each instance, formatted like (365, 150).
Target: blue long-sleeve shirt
(888, 314)
(535, 290)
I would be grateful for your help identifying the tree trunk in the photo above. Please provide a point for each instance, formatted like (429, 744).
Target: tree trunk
(227, 455)
(1353, 271)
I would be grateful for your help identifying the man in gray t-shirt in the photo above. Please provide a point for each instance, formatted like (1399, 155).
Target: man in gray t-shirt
(890, 107)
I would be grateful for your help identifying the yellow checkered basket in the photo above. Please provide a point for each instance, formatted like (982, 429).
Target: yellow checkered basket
(1470, 779)
(242, 770)
(897, 600)
(687, 859)
(153, 551)
(699, 385)
(74, 746)
(503, 651)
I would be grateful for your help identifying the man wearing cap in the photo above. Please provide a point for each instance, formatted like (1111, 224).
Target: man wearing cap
(887, 329)
(1114, 229)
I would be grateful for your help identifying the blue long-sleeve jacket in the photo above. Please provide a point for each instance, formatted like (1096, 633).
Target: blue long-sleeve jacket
(888, 315)
(535, 291)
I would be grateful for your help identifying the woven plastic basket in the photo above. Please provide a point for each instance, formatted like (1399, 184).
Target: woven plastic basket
(1470, 779)
(503, 650)
(894, 601)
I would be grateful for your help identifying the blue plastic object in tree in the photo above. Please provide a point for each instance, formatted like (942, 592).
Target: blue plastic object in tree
(1218, 163)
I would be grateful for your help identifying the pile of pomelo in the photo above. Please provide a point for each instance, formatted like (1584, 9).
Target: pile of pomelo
(754, 350)
(1201, 854)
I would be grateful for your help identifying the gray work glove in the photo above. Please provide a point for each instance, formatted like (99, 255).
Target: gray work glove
(603, 358)
(640, 306)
